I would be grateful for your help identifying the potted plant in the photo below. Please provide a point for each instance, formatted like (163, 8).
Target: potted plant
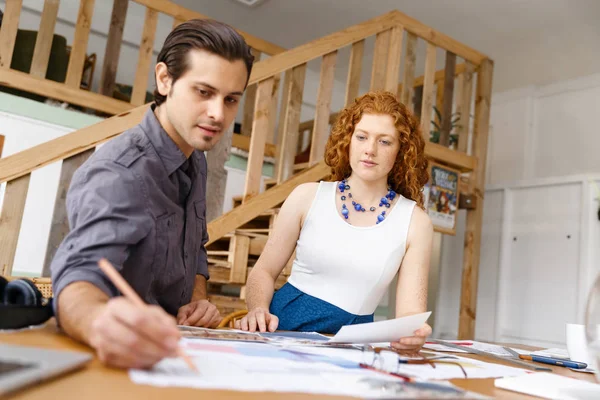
(434, 134)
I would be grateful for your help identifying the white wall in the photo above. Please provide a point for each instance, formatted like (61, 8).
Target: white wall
(539, 255)
(548, 131)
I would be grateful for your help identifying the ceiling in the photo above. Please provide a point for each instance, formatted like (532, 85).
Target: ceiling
(532, 42)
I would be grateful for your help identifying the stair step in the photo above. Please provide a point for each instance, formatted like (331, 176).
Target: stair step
(220, 275)
(217, 252)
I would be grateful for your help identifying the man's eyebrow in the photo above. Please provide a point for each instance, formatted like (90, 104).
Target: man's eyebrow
(216, 90)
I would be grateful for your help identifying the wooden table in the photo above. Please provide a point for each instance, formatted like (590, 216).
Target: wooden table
(96, 381)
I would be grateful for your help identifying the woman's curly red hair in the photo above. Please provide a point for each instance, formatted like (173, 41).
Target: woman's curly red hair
(409, 173)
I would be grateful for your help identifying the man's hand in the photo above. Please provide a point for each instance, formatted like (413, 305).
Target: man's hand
(259, 318)
(199, 313)
(413, 344)
(128, 336)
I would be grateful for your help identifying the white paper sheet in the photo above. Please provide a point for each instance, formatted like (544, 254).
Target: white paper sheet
(382, 331)
(550, 386)
(263, 367)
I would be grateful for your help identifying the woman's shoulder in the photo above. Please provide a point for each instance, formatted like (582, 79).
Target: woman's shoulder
(420, 224)
(304, 192)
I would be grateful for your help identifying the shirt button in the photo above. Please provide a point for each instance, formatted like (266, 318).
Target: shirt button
(185, 255)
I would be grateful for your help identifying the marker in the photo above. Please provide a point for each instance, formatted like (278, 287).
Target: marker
(554, 361)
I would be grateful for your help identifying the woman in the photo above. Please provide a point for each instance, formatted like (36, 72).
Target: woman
(354, 234)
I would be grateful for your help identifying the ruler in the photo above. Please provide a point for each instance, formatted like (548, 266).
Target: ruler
(510, 360)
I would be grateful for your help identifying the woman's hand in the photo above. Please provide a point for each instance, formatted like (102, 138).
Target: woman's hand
(411, 345)
(258, 318)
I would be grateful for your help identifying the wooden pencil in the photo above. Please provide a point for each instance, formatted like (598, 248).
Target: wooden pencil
(130, 294)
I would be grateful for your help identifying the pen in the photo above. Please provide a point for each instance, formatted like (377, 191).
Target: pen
(130, 294)
(554, 361)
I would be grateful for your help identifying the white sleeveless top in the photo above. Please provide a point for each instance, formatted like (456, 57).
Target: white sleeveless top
(345, 265)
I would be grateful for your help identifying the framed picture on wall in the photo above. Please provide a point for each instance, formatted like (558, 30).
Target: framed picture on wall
(441, 197)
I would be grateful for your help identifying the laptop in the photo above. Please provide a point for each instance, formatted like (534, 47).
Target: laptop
(22, 366)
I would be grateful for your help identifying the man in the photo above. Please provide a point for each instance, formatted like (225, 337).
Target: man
(140, 201)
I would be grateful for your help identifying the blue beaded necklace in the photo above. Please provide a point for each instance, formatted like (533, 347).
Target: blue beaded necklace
(384, 202)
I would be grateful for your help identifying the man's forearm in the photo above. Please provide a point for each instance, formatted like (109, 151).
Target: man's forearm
(260, 287)
(200, 291)
(78, 305)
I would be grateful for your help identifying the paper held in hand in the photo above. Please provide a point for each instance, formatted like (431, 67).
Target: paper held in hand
(382, 331)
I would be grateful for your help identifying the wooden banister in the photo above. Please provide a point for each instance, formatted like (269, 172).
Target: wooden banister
(181, 14)
(438, 39)
(320, 47)
(254, 206)
(24, 162)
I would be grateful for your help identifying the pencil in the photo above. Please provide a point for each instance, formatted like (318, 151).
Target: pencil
(130, 294)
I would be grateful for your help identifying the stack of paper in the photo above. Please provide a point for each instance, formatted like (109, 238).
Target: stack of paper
(313, 363)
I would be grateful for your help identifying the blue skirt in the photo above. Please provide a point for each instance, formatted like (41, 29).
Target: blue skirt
(298, 311)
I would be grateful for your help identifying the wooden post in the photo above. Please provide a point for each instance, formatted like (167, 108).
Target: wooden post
(138, 95)
(409, 71)
(321, 127)
(393, 60)
(11, 217)
(258, 138)
(1, 144)
(82, 32)
(470, 275)
(447, 97)
(439, 100)
(428, 82)
(287, 78)
(43, 42)
(272, 137)
(238, 258)
(249, 102)
(216, 180)
(463, 106)
(60, 222)
(354, 71)
(291, 121)
(380, 59)
(8, 33)
(417, 101)
(113, 47)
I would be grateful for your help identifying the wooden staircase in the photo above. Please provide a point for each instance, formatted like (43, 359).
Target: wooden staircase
(232, 257)
(237, 238)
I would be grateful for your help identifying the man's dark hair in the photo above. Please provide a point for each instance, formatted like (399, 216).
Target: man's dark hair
(201, 34)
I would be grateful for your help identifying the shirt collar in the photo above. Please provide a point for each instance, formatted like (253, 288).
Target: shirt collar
(169, 153)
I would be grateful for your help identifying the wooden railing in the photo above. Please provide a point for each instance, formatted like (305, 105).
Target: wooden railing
(389, 30)
(70, 91)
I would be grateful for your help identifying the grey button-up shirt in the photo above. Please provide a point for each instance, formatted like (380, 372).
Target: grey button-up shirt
(141, 204)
